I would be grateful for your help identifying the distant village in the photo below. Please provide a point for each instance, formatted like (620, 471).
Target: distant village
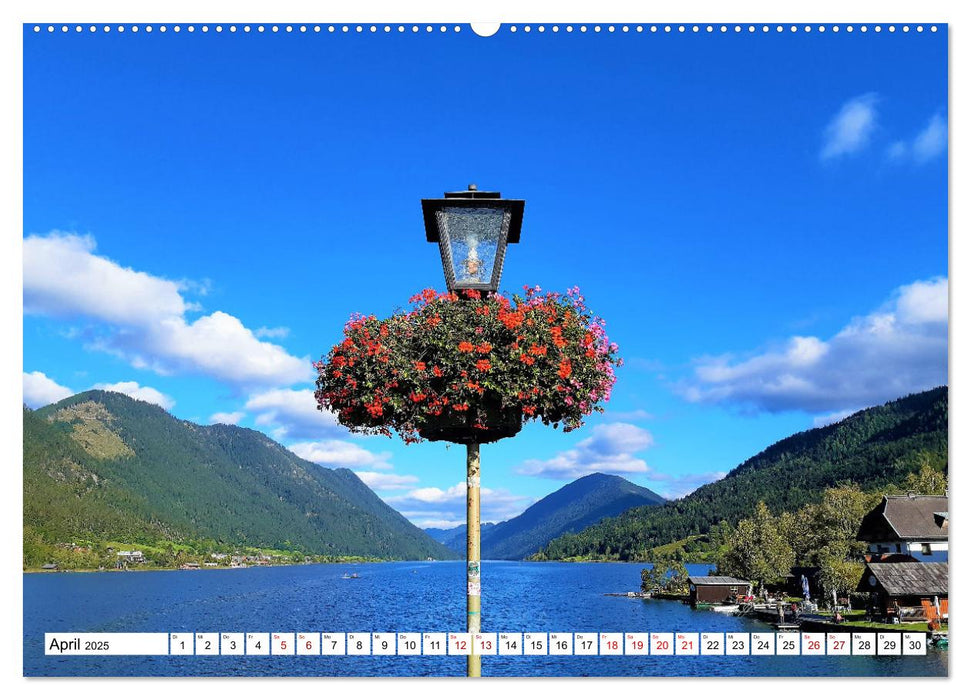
(131, 559)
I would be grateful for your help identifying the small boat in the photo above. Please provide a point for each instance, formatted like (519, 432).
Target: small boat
(347, 576)
(728, 609)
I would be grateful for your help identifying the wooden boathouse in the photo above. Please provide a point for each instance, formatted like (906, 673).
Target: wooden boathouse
(712, 590)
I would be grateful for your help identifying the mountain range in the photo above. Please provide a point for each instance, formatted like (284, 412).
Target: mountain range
(580, 503)
(875, 448)
(101, 466)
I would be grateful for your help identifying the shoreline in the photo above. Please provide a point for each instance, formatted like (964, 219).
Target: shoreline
(216, 568)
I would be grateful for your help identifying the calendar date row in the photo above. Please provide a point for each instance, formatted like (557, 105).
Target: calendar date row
(486, 644)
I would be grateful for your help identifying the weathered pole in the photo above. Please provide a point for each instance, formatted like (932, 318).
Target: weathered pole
(473, 565)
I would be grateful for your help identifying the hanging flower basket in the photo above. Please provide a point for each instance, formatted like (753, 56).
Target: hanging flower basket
(490, 423)
(469, 369)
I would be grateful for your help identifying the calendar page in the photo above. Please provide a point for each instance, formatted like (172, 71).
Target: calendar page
(447, 349)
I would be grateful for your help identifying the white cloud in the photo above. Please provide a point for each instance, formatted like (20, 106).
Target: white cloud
(220, 346)
(293, 414)
(932, 141)
(608, 451)
(430, 504)
(147, 316)
(339, 453)
(232, 418)
(672, 487)
(142, 393)
(63, 277)
(898, 349)
(851, 128)
(41, 390)
(926, 145)
(830, 418)
(440, 524)
(264, 332)
(382, 481)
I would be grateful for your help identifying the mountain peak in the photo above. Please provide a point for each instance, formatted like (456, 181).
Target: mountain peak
(103, 466)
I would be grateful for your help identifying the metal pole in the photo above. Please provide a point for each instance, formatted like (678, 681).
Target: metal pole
(473, 564)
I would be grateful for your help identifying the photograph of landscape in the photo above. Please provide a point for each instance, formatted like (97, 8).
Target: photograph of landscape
(665, 307)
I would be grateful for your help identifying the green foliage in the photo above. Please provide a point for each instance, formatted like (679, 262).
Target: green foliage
(873, 448)
(476, 366)
(758, 550)
(666, 575)
(199, 488)
(929, 481)
(838, 572)
(826, 530)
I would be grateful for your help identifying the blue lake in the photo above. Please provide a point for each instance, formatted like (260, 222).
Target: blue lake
(396, 597)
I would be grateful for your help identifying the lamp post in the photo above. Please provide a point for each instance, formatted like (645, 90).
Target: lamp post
(472, 229)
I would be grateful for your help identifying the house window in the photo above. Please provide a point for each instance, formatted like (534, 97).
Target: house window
(925, 548)
(898, 548)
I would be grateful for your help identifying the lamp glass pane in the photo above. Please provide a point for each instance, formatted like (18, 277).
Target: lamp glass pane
(474, 236)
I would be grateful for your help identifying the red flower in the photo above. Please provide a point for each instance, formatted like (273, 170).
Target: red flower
(420, 366)
(537, 349)
(511, 319)
(466, 346)
(526, 359)
(436, 371)
(460, 407)
(483, 365)
(529, 410)
(565, 368)
(484, 347)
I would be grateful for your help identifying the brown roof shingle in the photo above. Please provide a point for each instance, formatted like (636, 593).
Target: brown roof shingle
(906, 518)
(718, 581)
(907, 578)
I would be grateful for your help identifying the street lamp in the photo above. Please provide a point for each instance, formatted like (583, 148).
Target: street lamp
(472, 229)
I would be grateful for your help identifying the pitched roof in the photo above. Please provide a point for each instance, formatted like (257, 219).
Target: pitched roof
(717, 581)
(906, 518)
(907, 578)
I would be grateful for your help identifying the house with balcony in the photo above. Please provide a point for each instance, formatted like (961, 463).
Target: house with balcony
(906, 528)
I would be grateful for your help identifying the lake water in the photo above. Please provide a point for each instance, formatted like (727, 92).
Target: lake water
(396, 597)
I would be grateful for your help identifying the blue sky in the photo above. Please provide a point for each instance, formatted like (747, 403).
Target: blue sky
(762, 220)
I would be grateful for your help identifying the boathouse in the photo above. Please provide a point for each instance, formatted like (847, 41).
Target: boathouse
(906, 591)
(913, 526)
(711, 590)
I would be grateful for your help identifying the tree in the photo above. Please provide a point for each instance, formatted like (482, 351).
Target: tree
(837, 571)
(757, 550)
(667, 574)
(928, 481)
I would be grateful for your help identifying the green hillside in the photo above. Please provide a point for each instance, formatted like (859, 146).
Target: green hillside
(873, 448)
(102, 467)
